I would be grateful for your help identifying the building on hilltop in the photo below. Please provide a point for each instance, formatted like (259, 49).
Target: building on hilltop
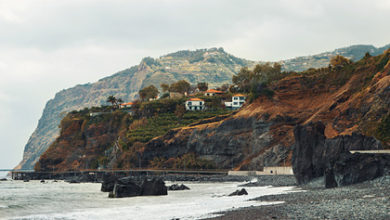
(126, 105)
(237, 101)
(213, 92)
(195, 104)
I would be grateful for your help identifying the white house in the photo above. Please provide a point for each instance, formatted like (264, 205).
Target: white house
(237, 101)
(194, 104)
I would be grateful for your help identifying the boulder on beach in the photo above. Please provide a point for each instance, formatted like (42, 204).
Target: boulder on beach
(129, 190)
(129, 187)
(239, 192)
(108, 182)
(153, 187)
(355, 168)
(176, 187)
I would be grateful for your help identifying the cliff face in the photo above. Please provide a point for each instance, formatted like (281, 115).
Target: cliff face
(352, 101)
(213, 66)
(316, 156)
(84, 141)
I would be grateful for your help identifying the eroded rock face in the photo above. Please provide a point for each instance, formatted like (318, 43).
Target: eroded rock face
(315, 156)
(153, 187)
(227, 144)
(108, 182)
(357, 167)
(308, 161)
(129, 190)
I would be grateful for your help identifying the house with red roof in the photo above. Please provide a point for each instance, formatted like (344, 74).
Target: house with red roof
(195, 104)
(126, 105)
(213, 92)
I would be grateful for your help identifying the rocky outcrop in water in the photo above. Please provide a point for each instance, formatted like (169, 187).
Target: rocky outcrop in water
(176, 187)
(239, 192)
(128, 187)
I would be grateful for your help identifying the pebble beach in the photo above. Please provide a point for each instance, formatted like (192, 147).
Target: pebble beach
(367, 200)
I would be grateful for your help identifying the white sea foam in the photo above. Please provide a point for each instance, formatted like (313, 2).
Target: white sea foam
(61, 200)
(3, 174)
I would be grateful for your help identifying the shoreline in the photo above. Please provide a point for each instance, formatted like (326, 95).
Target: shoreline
(367, 200)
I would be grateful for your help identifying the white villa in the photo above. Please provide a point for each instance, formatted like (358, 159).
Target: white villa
(237, 101)
(195, 104)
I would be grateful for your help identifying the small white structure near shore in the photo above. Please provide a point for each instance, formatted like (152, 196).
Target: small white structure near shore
(265, 171)
(195, 104)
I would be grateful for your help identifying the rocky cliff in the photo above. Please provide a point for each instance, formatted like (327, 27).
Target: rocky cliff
(316, 156)
(352, 101)
(214, 66)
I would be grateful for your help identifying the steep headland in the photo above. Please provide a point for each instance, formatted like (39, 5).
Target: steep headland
(348, 99)
(214, 66)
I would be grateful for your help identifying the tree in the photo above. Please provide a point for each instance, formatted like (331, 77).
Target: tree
(148, 92)
(164, 87)
(339, 61)
(113, 101)
(181, 86)
(225, 87)
(367, 55)
(242, 79)
(262, 74)
(203, 86)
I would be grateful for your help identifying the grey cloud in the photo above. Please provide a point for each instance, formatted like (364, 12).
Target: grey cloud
(46, 46)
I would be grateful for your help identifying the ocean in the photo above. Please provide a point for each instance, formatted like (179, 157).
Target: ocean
(61, 200)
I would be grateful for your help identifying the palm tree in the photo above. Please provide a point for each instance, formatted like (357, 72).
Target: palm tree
(112, 100)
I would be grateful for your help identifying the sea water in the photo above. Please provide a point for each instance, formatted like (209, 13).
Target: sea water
(61, 200)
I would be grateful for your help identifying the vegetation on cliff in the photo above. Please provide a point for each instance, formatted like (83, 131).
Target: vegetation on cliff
(214, 66)
(91, 138)
(346, 96)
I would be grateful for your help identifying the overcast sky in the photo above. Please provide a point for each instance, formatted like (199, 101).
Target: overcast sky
(46, 46)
